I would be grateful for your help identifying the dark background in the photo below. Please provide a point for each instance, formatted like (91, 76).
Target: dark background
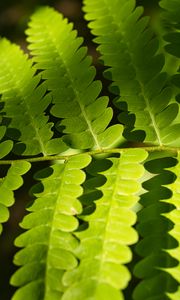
(14, 15)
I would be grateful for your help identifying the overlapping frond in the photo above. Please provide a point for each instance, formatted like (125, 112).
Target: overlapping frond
(69, 75)
(25, 102)
(81, 240)
(171, 15)
(174, 217)
(159, 230)
(103, 248)
(49, 243)
(5, 148)
(130, 50)
(9, 183)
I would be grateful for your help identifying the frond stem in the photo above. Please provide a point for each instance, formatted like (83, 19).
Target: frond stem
(149, 149)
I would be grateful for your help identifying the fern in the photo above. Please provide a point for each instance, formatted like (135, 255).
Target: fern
(174, 217)
(103, 247)
(171, 15)
(129, 49)
(5, 146)
(49, 242)
(5, 185)
(59, 54)
(155, 226)
(25, 103)
(9, 183)
(104, 221)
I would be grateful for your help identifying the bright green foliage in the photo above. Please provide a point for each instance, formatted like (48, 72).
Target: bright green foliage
(49, 243)
(103, 249)
(104, 222)
(70, 77)
(5, 146)
(171, 15)
(25, 103)
(174, 217)
(154, 227)
(11, 182)
(129, 49)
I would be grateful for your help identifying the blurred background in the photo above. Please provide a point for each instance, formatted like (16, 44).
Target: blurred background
(14, 16)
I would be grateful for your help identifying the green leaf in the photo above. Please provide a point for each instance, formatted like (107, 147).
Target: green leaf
(171, 17)
(11, 182)
(159, 243)
(174, 217)
(171, 11)
(129, 49)
(25, 101)
(49, 242)
(104, 223)
(5, 148)
(69, 75)
(103, 248)
(175, 296)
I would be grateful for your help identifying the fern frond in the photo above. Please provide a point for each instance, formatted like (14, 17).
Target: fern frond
(103, 248)
(25, 102)
(11, 182)
(6, 145)
(128, 47)
(49, 242)
(174, 217)
(171, 15)
(6, 193)
(159, 228)
(69, 75)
